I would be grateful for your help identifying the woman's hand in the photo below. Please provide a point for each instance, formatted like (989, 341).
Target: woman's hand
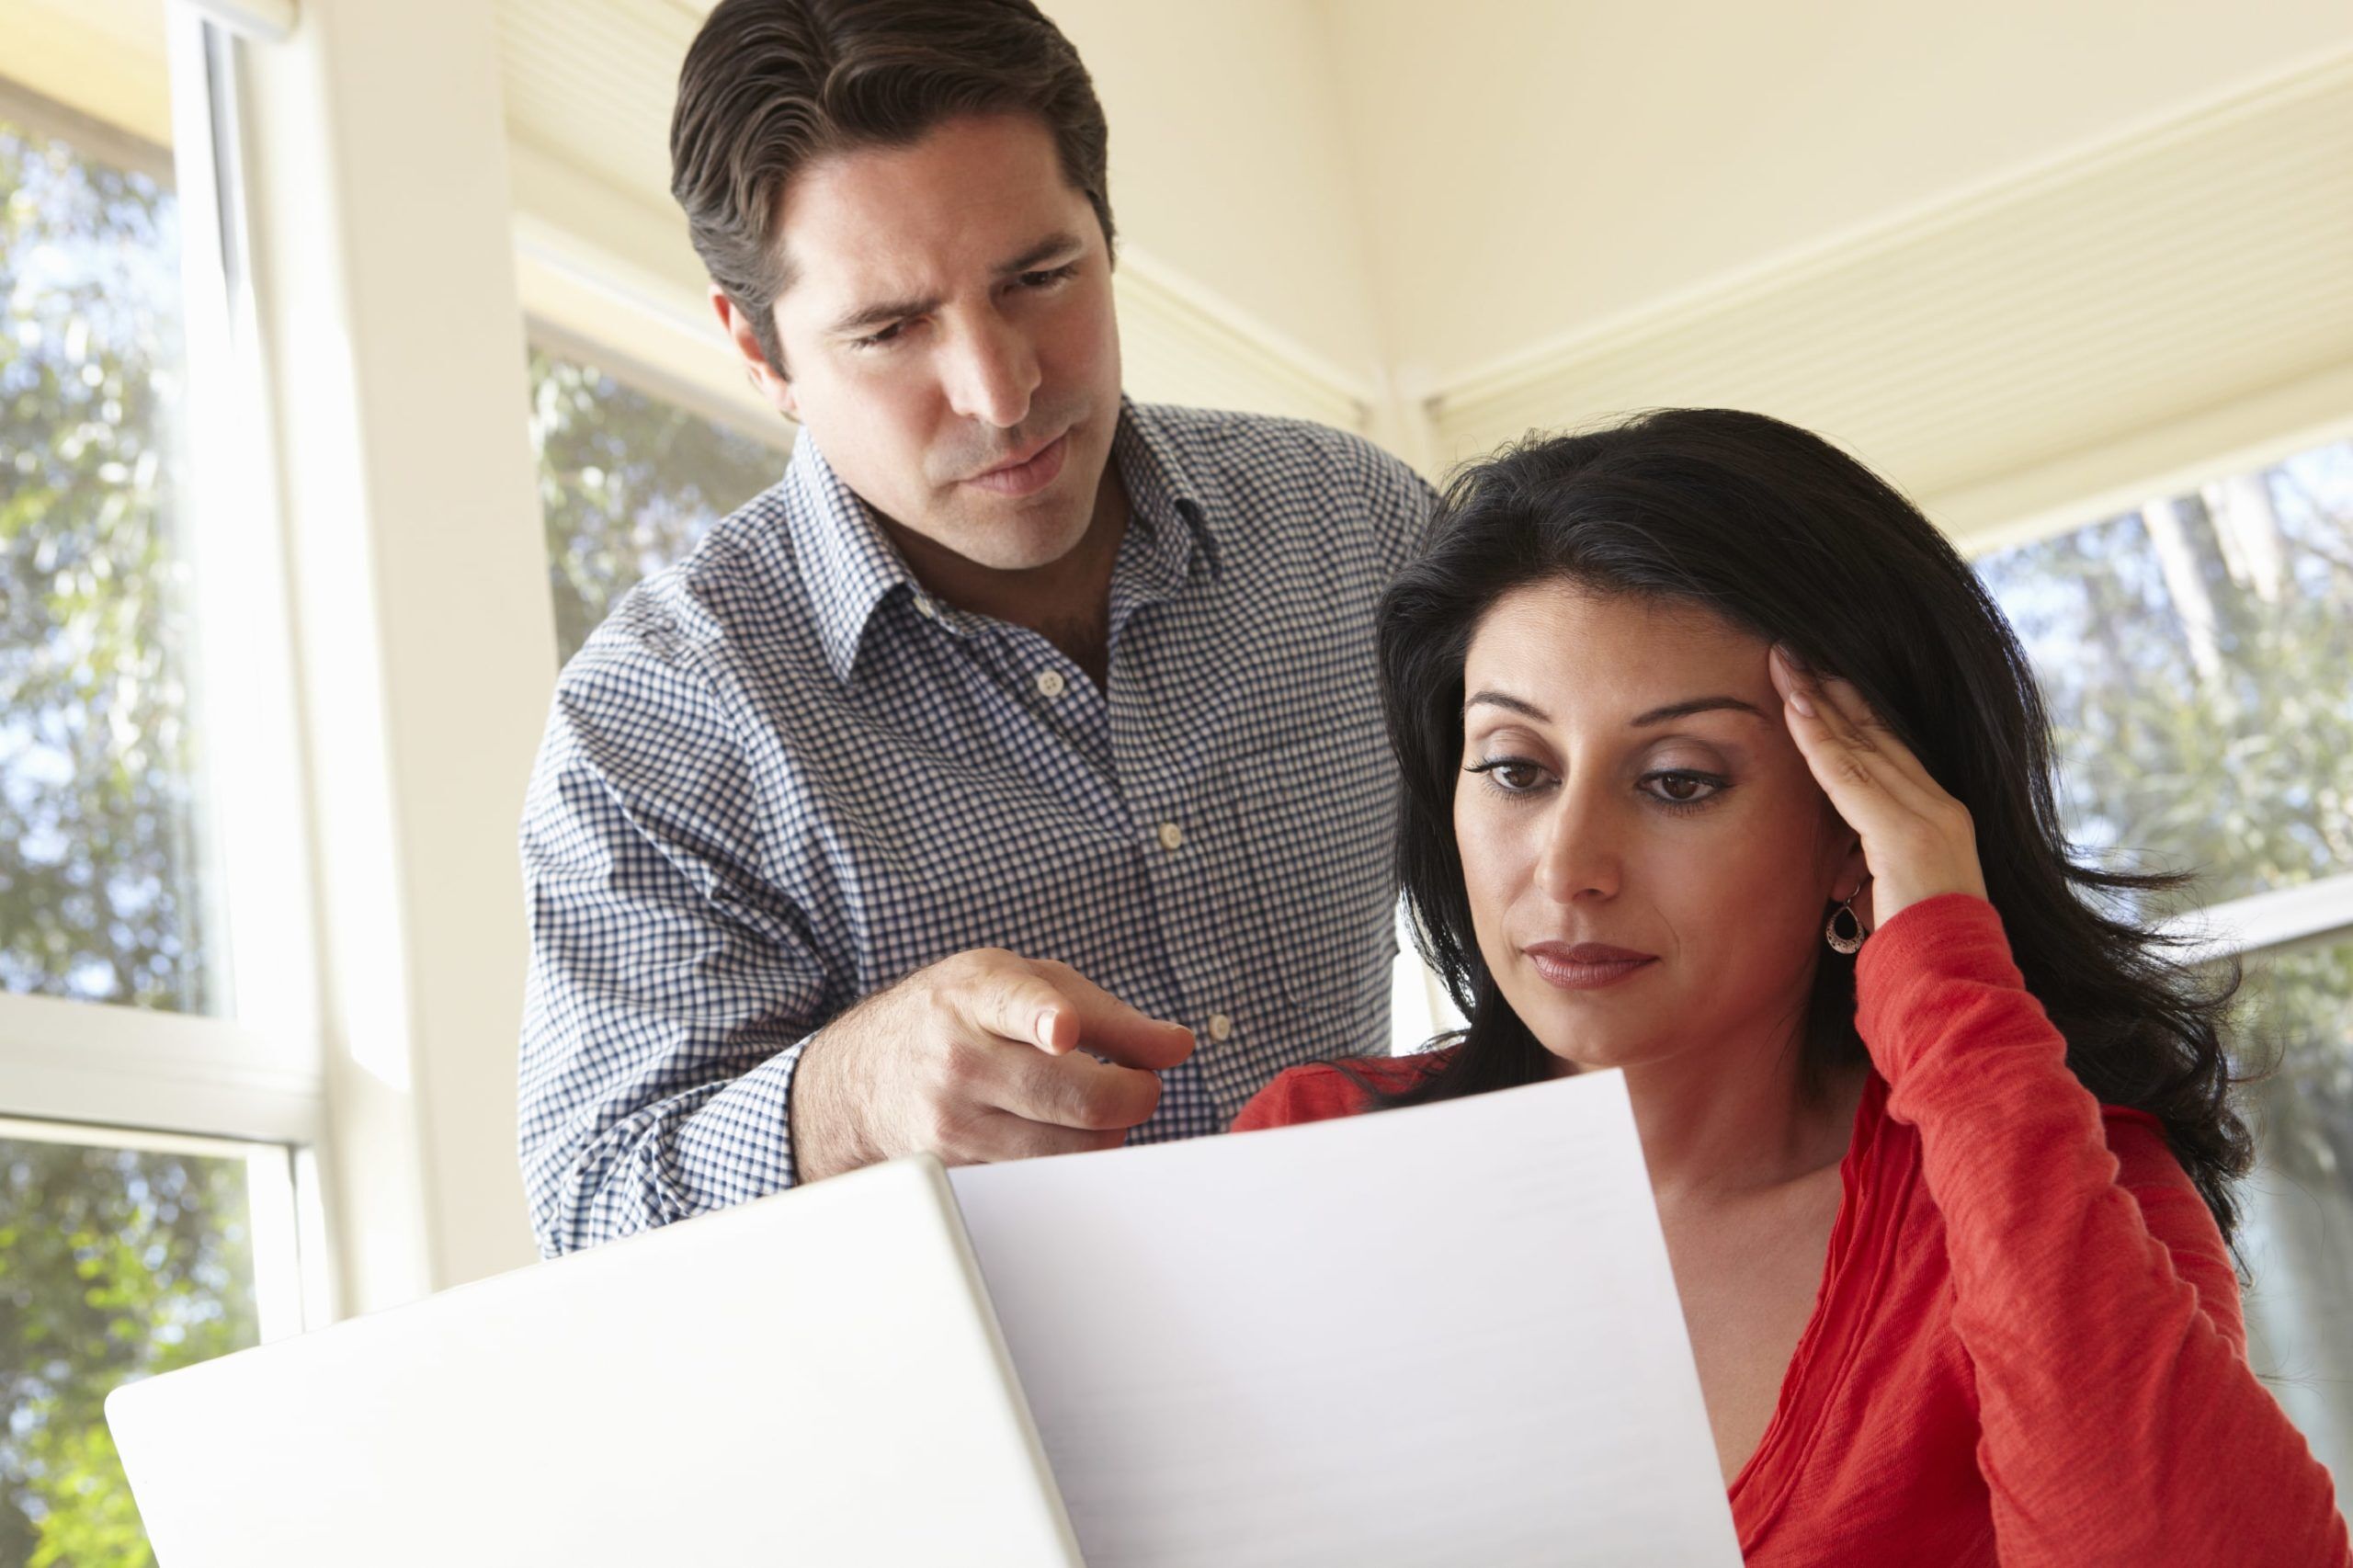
(1917, 840)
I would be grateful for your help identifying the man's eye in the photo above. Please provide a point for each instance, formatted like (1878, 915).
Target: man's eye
(1049, 277)
(878, 339)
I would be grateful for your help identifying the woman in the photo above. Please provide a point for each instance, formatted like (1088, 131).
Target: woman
(1686, 708)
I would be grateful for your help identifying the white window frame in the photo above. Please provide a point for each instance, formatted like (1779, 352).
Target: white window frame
(248, 1082)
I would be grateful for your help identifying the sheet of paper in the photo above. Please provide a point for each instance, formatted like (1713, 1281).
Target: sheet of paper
(1442, 1335)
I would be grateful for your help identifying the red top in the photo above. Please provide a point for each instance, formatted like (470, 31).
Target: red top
(2027, 1348)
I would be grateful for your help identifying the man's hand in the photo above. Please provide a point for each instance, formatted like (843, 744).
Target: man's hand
(981, 1057)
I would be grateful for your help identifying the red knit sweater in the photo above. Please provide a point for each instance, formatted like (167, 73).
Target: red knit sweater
(2027, 1348)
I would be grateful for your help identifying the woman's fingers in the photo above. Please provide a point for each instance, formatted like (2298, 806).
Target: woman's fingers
(1917, 840)
(1861, 727)
(1851, 740)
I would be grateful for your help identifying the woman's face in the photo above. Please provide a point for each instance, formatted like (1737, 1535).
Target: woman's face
(1647, 857)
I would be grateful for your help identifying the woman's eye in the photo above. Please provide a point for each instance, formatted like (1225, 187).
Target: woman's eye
(1513, 775)
(1678, 789)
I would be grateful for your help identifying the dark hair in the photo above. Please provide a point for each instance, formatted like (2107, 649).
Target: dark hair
(770, 84)
(1782, 533)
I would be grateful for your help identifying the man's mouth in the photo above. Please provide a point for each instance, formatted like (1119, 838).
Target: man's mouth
(1025, 474)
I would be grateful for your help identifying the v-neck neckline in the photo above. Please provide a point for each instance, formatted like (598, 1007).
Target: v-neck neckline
(1828, 1341)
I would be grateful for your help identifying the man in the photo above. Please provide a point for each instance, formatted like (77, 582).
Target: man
(1009, 781)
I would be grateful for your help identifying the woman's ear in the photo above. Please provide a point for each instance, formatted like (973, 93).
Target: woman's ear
(1853, 883)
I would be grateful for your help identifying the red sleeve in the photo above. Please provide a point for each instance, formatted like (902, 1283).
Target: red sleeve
(1322, 1090)
(2091, 1290)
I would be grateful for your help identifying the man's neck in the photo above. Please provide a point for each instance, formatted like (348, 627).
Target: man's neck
(1067, 602)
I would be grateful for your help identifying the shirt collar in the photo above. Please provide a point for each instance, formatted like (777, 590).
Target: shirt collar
(851, 567)
(847, 563)
(1169, 502)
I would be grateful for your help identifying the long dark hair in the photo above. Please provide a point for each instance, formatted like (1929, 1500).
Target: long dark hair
(1782, 534)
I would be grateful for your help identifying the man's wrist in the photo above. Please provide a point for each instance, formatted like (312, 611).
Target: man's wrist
(825, 1112)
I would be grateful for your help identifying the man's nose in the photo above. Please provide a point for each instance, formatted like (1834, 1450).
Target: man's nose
(992, 373)
(1579, 857)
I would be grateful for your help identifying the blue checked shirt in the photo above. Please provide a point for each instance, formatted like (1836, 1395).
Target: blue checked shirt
(780, 778)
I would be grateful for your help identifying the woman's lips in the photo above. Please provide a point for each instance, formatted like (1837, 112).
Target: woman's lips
(1027, 477)
(1586, 966)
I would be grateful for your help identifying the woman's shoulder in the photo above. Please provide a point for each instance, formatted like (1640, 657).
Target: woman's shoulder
(1322, 1091)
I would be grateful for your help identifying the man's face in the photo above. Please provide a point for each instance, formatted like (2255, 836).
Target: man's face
(950, 338)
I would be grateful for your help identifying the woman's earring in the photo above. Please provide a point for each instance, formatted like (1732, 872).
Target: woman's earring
(1851, 941)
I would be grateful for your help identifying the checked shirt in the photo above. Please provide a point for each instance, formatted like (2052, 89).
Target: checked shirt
(779, 777)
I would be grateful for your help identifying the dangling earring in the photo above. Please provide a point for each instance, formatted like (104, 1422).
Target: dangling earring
(1849, 943)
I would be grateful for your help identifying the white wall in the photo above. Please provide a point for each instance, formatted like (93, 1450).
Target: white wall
(1530, 167)
(1231, 161)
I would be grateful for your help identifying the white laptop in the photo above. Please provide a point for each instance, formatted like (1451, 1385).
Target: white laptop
(817, 1378)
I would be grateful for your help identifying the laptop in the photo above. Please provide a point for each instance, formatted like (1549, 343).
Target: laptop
(814, 1377)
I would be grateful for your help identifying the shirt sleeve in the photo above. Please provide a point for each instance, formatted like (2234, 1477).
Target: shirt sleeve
(1399, 504)
(671, 991)
(2120, 1421)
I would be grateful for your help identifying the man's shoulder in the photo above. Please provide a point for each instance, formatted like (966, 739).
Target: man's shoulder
(1317, 479)
(733, 581)
(1233, 441)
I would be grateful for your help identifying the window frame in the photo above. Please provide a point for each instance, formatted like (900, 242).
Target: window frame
(247, 1082)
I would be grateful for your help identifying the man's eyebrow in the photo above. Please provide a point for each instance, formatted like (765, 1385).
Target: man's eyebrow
(884, 312)
(1696, 705)
(1045, 250)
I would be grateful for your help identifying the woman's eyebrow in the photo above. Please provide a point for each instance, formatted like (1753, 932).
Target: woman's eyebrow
(1498, 699)
(1655, 716)
(1696, 705)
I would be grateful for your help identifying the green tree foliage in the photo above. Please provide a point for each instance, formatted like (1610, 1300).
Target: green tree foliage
(114, 1265)
(628, 482)
(97, 822)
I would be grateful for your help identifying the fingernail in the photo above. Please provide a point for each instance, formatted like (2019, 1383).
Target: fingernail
(1046, 1028)
(1801, 701)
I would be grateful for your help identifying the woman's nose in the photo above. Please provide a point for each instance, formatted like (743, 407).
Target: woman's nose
(1579, 856)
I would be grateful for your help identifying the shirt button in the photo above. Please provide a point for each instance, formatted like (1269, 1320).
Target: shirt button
(926, 608)
(1049, 683)
(1172, 837)
(1220, 1025)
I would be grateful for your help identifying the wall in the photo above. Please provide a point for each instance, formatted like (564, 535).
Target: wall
(1531, 169)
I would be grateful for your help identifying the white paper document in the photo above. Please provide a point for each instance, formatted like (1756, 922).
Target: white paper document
(1443, 1335)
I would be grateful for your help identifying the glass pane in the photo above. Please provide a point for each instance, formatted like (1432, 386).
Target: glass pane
(115, 1263)
(2193, 654)
(2298, 1237)
(628, 482)
(101, 823)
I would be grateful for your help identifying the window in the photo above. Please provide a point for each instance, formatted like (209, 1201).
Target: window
(101, 897)
(151, 1115)
(629, 481)
(118, 1259)
(2194, 657)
